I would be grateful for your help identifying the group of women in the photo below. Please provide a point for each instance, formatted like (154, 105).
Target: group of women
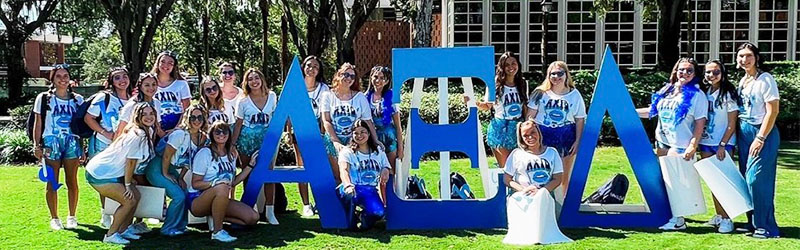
(147, 132)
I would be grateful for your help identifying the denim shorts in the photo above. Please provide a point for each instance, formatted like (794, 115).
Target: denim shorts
(62, 147)
(95, 182)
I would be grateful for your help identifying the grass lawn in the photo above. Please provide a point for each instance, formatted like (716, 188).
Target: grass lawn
(24, 219)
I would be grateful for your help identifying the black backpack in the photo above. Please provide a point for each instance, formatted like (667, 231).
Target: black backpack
(44, 100)
(78, 125)
(613, 192)
(459, 188)
(416, 189)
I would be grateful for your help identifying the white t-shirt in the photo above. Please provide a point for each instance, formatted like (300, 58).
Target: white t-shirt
(222, 168)
(232, 104)
(108, 163)
(679, 136)
(316, 97)
(509, 107)
(185, 148)
(252, 116)
(755, 97)
(109, 118)
(344, 113)
(127, 111)
(556, 110)
(171, 97)
(58, 118)
(365, 169)
(531, 169)
(216, 115)
(718, 120)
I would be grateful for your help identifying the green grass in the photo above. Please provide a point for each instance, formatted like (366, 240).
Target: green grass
(24, 219)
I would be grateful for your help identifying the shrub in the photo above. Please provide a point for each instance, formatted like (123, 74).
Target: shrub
(19, 115)
(15, 147)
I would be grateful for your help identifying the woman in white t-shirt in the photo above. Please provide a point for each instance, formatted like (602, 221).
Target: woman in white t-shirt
(758, 138)
(175, 152)
(719, 135)
(211, 100)
(173, 91)
(343, 106)
(230, 92)
(364, 169)
(558, 109)
(252, 119)
(108, 170)
(214, 172)
(117, 92)
(682, 109)
(511, 93)
(146, 87)
(55, 144)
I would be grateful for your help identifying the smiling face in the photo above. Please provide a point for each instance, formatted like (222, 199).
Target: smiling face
(165, 64)
(530, 135)
(348, 77)
(685, 73)
(220, 135)
(211, 90)
(149, 86)
(311, 68)
(148, 116)
(378, 80)
(746, 59)
(61, 79)
(511, 67)
(557, 76)
(196, 119)
(360, 135)
(713, 73)
(254, 81)
(227, 74)
(120, 80)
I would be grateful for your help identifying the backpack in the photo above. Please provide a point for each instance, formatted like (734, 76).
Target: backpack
(613, 192)
(459, 188)
(44, 100)
(416, 189)
(78, 125)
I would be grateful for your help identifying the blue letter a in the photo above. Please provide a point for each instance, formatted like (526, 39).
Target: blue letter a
(610, 94)
(294, 105)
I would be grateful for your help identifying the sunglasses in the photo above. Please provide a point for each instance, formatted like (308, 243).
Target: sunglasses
(221, 132)
(211, 89)
(348, 76)
(193, 118)
(228, 72)
(557, 74)
(715, 72)
(120, 77)
(686, 70)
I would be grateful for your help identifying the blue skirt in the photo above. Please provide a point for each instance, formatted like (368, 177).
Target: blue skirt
(502, 133)
(560, 138)
(388, 136)
(250, 139)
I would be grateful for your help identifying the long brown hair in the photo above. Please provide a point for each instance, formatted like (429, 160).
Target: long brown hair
(373, 145)
(136, 123)
(264, 84)
(338, 77)
(175, 74)
(221, 126)
(109, 84)
(205, 101)
(320, 75)
(500, 78)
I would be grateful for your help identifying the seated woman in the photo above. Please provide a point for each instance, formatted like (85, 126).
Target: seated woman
(363, 166)
(214, 168)
(108, 169)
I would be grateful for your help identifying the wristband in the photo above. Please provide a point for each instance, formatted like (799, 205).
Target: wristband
(128, 184)
(760, 138)
(723, 144)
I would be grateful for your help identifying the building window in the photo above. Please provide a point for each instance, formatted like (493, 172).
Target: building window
(649, 44)
(505, 27)
(468, 23)
(535, 35)
(619, 32)
(701, 31)
(734, 28)
(581, 35)
(773, 29)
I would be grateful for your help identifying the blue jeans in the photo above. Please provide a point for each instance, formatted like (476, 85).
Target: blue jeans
(177, 215)
(760, 174)
(365, 197)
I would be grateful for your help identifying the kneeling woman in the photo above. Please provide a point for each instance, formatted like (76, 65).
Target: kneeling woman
(214, 168)
(363, 166)
(107, 171)
(532, 167)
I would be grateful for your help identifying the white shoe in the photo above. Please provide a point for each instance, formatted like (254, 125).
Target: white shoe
(115, 239)
(270, 213)
(140, 228)
(725, 226)
(714, 221)
(106, 220)
(55, 224)
(153, 221)
(676, 223)
(223, 236)
(308, 210)
(72, 222)
(130, 234)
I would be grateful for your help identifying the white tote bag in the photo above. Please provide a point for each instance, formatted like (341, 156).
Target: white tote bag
(532, 220)
(726, 183)
(683, 186)
(151, 203)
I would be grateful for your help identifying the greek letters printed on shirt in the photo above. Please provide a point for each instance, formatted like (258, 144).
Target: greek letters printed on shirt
(220, 169)
(365, 169)
(344, 113)
(556, 110)
(252, 116)
(59, 116)
(509, 107)
(717, 121)
(170, 98)
(679, 135)
(531, 169)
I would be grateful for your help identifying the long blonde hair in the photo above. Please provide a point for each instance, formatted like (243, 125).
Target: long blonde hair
(264, 84)
(136, 123)
(338, 78)
(547, 85)
(185, 124)
(520, 141)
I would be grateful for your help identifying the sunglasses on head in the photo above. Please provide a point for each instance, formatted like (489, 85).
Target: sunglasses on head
(557, 74)
(228, 72)
(211, 89)
(221, 132)
(715, 72)
(348, 75)
(61, 66)
(193, 118)
(169, 53)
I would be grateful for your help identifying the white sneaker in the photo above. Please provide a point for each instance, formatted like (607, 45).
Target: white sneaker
(714, 221)
(270, 213)
(130, 234)
(55, 224)
(140, 228)
(72, 222)
(223, 236)
(308, 210)
(676, 223)
(725, 226)
(106, 220)
(115, 239)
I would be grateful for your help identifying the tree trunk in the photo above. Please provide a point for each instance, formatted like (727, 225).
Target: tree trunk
(422, 24)
(284, 48)
(264, 5)
(669, 23)
(15, 61)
